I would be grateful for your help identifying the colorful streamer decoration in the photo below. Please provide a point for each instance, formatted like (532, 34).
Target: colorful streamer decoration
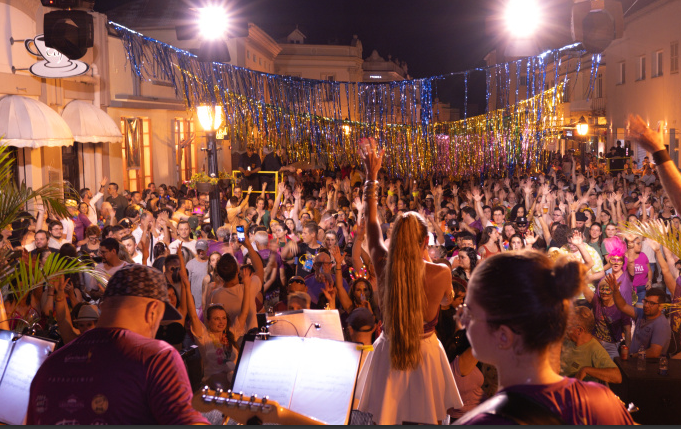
(321, 122)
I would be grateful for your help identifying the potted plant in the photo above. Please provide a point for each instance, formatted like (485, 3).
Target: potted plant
(202, 182)
(224, 179)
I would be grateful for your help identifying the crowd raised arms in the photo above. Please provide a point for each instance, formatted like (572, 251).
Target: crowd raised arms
(397, 257)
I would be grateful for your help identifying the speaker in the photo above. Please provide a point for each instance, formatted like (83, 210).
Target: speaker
(596, 23)
(71, 32)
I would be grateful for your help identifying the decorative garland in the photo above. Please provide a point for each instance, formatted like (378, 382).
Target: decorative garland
(322, 120)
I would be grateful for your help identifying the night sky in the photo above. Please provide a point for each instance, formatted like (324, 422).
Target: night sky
(434, 37)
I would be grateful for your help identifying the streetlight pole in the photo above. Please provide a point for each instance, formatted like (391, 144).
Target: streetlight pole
(582, 130)
(210, 118)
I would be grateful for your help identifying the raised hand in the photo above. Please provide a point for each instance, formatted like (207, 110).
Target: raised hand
(530, 238)
(638, 130)
(104, 181)
(372, 157)
(281, 187)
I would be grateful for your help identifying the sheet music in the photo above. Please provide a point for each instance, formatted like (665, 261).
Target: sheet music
(268, 368)
(303, 320)
(29, 353)
(326, 380)
(312, 376)
(5, 343)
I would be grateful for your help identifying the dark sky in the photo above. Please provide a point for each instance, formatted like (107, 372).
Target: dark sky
(434, 37)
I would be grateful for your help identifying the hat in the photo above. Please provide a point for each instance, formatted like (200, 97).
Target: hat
(430, 197)
(453, 225)
(202, 245)
(87, 312)
(144, 282)
(521, 220)
(125, 223)
(71, 203)
(193, 222)
(581, 217)
(296, 279)
(361, 319)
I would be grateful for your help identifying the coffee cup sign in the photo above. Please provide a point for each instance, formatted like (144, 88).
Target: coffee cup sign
(54, 63)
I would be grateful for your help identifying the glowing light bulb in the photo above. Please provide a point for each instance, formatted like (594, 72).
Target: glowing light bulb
(522, 17)
(212, 22)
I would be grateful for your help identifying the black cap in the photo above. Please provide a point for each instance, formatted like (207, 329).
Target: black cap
(521, 220)
(581, 217)
(453, 224)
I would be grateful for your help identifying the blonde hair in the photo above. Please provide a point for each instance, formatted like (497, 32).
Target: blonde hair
(403, 293)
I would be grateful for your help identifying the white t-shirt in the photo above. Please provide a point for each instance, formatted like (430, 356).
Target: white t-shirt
(215, 358)
(137, 258)
(191, 245)
(92, 283)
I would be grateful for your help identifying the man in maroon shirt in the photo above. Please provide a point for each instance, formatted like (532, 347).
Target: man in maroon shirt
(118, 373)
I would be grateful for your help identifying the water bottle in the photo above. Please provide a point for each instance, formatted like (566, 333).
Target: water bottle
(641, 364)
(664, 365)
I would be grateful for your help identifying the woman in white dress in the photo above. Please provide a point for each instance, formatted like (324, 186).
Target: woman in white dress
(407, 378)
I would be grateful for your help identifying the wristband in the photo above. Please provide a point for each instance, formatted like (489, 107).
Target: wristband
(391, 193)
(661, 156)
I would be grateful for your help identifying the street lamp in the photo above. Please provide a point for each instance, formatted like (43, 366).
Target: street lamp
(211, 117)
(582, 130)
(522, 18)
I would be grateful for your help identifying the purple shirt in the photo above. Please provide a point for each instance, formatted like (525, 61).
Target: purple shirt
(610, 321)
(641, 269)
(576, 402)
(112, 376)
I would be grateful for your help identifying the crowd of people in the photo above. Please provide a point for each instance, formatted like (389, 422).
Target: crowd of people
(517, 286)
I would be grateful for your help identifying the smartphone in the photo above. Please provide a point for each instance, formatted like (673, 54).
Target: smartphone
(240, 234)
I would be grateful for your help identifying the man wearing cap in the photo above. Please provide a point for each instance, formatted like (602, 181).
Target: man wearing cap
(118, 373)
(580, 219)
(198, 267)
(522, 223)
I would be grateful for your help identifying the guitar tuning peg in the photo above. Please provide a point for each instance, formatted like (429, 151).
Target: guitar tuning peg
(241, 396)
(253, 398)
(230, 393)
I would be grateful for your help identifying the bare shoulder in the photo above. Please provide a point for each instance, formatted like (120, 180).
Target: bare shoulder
(437, 270)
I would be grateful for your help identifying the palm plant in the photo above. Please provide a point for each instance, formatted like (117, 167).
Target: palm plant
(26, 274)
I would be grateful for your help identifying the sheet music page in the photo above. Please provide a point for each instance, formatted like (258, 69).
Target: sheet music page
(5, 343)
(269, 368)
(29, 353)
(329, 321)
(326, 380)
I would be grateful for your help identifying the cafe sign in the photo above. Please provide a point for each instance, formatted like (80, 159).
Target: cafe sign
(54, 64)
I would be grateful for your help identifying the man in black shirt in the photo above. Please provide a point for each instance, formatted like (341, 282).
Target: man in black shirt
(271, 162)
(118, 202)
(305, 251)
(249, 166)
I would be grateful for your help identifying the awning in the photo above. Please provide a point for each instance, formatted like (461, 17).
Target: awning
(25, 122)
(90, 124)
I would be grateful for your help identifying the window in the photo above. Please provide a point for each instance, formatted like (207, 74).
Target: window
(641, 68)
(254, 59)
(185, 156)
(260, 61)
(138, 178)
(248, 54)
(621, 79)
(674, 58)
(657, 64)
(599, 86)
(523, 80)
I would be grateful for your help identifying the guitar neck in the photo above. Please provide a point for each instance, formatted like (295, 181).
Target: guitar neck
(242, 408)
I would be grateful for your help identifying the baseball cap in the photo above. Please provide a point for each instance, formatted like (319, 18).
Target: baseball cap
(453, 224)
(193, 222)
(125, 223)
(361, 319)
(71, 203)
(144, 282)
(430, 197)
(521, 220)
(202, 245)
(87, 312)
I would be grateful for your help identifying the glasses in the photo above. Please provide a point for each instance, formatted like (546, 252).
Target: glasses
(616, 260)
(649, 302)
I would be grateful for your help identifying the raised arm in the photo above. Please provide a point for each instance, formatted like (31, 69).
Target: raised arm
(653, 142)
(621, 304)
(186, 291)
(66, 330)
(345, 300)
(373, 158)
(669, 280)
(277, 199)
(246, 301)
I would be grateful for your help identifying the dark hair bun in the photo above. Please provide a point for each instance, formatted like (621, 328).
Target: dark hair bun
(569, 277)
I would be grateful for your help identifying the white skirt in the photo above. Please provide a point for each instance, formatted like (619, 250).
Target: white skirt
(422, 395)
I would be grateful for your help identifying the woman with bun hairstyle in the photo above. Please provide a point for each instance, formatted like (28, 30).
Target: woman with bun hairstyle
(516, 312)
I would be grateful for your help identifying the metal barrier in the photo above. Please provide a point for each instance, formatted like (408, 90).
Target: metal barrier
(623, 159)
(236, 174)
